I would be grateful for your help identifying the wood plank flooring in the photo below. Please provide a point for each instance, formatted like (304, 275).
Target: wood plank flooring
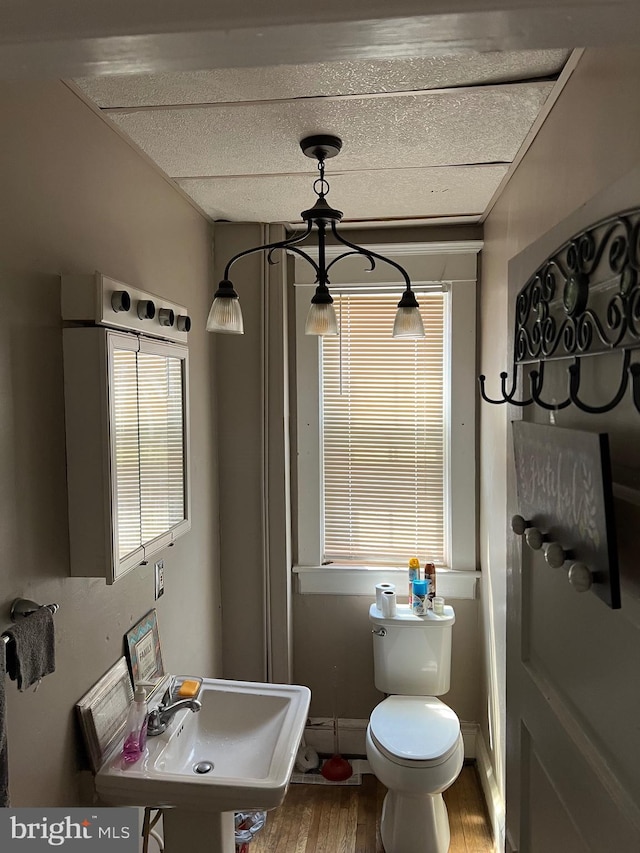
(346, 819)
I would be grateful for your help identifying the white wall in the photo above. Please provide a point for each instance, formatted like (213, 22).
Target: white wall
(75, 198)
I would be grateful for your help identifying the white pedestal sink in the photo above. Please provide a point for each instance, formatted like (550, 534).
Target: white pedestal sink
(245, 737)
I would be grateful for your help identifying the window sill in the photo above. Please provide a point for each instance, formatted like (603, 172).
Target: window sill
(362, 580)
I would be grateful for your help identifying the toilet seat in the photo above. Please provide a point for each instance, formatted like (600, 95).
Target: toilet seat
(415, 731)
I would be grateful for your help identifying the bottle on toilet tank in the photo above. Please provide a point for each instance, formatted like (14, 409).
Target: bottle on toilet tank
(430, 577)
(414, 575)
(419, 598)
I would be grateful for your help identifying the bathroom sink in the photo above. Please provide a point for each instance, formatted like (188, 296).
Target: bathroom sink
(236, 753)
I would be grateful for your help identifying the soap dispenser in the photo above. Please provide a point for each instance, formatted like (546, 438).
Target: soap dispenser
(135, 733)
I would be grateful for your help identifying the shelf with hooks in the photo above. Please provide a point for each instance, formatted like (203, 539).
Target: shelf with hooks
(584, 300)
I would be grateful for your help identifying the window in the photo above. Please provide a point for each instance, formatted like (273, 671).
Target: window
(386, 431)
(383, 448)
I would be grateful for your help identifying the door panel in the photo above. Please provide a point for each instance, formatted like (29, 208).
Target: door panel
(573, 663)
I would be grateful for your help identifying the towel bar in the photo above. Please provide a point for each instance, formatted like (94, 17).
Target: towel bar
(22, 607)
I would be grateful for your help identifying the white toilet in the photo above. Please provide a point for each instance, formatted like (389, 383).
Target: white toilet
(414, 745)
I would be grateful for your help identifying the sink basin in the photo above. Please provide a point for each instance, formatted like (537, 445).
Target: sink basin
(245, 737)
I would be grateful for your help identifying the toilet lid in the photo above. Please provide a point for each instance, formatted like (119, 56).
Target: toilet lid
(415, 728)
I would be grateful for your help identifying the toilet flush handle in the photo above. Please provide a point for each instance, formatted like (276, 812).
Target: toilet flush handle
(379, 632)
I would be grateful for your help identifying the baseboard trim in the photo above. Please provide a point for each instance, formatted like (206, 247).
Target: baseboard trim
(352, 736)
(492, 794)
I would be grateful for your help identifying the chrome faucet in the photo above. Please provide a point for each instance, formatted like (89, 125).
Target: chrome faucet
(160, 718)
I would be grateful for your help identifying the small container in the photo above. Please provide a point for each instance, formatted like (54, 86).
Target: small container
(135, 733)
(419, 598)
(414, 575)
(438, 605)
(430, 575)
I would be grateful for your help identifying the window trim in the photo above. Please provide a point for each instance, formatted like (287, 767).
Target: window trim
(452, 267)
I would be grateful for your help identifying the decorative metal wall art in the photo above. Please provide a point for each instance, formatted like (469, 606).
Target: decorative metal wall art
(565, 499)
(584, 300)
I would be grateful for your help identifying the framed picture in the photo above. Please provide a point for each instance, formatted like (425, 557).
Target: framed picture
(102, 712)
(143, 650)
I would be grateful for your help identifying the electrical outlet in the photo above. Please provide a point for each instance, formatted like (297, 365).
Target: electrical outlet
(159, 573)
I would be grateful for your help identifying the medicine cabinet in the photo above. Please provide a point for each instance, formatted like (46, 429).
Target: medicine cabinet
(127, 418)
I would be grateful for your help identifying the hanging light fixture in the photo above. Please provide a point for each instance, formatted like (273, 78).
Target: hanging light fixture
(225, 314)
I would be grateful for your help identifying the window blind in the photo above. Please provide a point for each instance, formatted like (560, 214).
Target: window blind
(161, 443)
(149, 446)
(383, 434)
(127, 450)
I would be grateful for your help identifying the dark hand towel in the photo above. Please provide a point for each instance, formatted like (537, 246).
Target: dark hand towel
(31, 649)
(4, 763)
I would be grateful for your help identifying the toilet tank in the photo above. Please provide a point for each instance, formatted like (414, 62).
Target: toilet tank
(412, 654)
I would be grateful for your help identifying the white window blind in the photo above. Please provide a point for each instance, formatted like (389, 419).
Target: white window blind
(383, 434)
(127, 450)
(161, 443)
(149, 446)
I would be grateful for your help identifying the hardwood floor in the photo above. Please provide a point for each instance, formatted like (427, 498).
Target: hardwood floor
(345, 819)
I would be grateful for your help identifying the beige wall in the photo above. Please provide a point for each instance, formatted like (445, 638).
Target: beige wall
(588, 141)
(75, 198)
(331, 635)
(333, 655)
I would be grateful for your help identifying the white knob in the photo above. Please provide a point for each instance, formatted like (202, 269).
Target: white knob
(519, 525)
(554, 555)
(534, 538)
(580, 577)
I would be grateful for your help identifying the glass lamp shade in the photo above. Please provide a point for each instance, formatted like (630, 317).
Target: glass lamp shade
(226, 316)
(408, 324)
(321, 319)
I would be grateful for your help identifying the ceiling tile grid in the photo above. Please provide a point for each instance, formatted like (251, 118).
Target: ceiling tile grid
(423, 138)
(322, 79)
(386, 194)
(458, 127)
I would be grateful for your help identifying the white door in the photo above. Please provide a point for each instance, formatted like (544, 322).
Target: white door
(573, 663)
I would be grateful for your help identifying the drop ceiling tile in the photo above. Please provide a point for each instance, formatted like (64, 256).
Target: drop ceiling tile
(387, 194)
(464, 126)
(331, 78)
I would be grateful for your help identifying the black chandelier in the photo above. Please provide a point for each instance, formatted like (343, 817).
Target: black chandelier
(225, 314)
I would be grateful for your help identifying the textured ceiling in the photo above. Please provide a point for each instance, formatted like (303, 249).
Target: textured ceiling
(427, 138)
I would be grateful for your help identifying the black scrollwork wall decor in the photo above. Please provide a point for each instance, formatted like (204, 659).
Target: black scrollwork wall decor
(584, 300)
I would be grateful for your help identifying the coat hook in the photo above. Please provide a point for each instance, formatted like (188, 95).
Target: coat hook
(507, 396)
(534, 538)
(519, 525)
(574, 387)
(580, 577)
(536, 378)
(555, 555)
(634, 370)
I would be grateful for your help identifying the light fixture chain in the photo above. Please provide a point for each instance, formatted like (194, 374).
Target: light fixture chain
(321, 181)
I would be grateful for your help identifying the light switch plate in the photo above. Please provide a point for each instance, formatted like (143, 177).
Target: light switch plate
(159, 575)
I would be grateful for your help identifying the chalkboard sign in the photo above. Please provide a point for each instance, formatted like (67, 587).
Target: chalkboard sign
(564, 489)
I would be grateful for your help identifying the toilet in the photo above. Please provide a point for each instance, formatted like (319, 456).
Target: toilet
(414, 744)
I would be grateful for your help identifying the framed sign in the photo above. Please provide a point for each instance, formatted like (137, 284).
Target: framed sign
(564, 489)
(103, 712)
(143, 650)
